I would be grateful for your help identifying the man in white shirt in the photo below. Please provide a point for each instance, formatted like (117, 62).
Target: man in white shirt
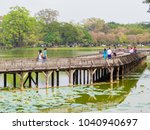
(109, 52)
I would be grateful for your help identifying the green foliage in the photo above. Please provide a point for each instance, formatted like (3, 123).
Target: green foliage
(146, 1)
(69, 33)
(51, 33)
(113, 25)
(18, 28)
(17, 25)
(94, 24)
(52, 38)
(47, 16)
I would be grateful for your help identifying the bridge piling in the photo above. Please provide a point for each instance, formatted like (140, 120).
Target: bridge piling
(57, 78)
(118, 69)
(14, 80)
(37, 79)
(52, 79)
(83, 76)
(5, 80)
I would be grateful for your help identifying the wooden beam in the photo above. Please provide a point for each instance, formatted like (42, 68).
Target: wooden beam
(22, 76)
(30, 77)
(91, 76)
(5, 80)
(80, 76)
(14, 80)
(47, 75)
(83, 76)
(57, 78)
(76, 75)
(52, 79)
(88, 73)
(37, 78)
(71, 72)
(25, 81)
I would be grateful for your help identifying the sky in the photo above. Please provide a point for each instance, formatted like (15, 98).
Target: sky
(120, 11)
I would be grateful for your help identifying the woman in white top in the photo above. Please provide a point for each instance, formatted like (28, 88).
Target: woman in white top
(40, 55)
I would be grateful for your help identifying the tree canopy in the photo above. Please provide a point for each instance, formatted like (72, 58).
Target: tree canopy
(18, 28)
(47, 15)
(146, 1)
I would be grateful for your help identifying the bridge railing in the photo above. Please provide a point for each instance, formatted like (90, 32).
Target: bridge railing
(65, 63)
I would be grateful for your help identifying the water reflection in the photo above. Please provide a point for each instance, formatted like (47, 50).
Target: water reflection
(66, 99)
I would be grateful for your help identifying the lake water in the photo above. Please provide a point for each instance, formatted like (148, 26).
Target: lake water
(132, 94)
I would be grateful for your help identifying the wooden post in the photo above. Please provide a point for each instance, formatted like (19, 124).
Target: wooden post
(71, 75)
(22, 76)
(37, 78)
(111, 74)
(91, 76)
(5, 80)
(47, 75)
(14, 80)
(87, 76)
(76, 74)
(74, 78)
(46, 79)
(80, 76)
(52, 79)
(118, 68)
(83, 76)
(57, 78)
(21, 80)
(100, 75)
(30, 84)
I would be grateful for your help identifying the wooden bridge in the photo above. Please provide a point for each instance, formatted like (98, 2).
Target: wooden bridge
(80, 70)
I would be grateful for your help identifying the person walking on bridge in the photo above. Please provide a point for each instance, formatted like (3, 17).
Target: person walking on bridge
(105, 53)
(109, 53)
(45, 54)
(40, 55)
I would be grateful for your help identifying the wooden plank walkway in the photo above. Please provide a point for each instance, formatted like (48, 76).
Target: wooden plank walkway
(93, 68)
(94, 61)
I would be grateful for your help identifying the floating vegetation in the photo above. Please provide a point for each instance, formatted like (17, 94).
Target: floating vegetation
(125, 95)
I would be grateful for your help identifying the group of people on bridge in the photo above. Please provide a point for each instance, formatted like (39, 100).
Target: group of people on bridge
(42, 55)
(107, 53)
(132, 50)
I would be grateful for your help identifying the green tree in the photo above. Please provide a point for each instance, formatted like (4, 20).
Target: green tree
(95, 24)
(52, 33)
(1, 34)
(113, 25)
(17, 25)
(146, 1)
(47, 16)
(69, 34)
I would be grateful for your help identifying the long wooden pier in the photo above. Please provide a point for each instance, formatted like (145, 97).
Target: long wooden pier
(80, 70)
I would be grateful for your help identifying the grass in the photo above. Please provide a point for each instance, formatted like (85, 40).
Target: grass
(60, 48)
(73, 48)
